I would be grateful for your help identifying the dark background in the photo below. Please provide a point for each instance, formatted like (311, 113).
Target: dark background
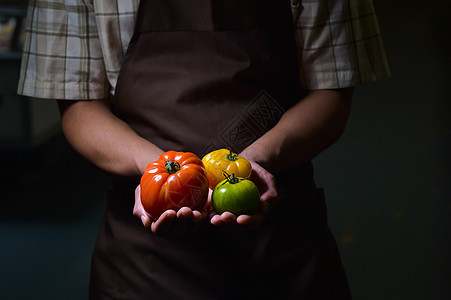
(386, 181)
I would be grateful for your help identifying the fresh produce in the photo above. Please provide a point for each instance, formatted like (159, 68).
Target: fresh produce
(224, 160)
(236, 195)
(175, 180)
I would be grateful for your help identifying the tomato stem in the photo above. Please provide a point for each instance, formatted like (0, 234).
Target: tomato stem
(231, 156)
(231, 178)
(172, 166)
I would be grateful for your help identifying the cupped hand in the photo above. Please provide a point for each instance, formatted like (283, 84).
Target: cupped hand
(170, 223)
(185, 220)
(266, 185)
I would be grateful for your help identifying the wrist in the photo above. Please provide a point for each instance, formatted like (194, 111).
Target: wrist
(148, 154)
(262, 154)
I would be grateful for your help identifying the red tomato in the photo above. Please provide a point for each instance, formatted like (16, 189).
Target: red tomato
(175, 180)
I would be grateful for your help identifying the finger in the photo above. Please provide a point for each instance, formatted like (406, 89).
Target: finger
(196, 220)
(228, 217)
(215, 219)
(270, 192)
(146, 220)
(269, 197)
(266, 184)
(265, 207)
(181, 224)
(211, 213)
(163, 224)
(208, 208)
(138, 209)
(250, 222)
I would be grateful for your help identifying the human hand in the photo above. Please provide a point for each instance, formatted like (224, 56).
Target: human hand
(170, 223)
(266, 185)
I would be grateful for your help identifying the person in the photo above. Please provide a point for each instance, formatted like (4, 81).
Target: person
(273, 80)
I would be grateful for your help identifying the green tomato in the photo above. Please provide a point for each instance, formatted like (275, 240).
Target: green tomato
(236, 195)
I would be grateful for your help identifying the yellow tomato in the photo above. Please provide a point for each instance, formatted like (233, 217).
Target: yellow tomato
(224, 160)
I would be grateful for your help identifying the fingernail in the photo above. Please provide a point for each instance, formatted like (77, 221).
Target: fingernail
(143, 219)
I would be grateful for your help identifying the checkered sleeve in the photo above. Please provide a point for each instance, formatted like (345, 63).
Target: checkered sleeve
(62, 57)
(339, 43)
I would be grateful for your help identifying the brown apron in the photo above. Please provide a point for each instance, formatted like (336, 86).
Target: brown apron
(201, 75)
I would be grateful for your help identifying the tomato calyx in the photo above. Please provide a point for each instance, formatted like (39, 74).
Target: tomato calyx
(231, 156)
(172, 166)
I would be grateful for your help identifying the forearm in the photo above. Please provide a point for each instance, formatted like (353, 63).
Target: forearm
(305, 130)
(105, 140)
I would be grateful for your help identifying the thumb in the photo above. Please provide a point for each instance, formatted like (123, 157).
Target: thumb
(138, 209)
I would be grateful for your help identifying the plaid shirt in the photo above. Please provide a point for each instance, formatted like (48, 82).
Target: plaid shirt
(74, 48)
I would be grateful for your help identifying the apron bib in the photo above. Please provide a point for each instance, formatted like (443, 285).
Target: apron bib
(209, 74)
(201, 75)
